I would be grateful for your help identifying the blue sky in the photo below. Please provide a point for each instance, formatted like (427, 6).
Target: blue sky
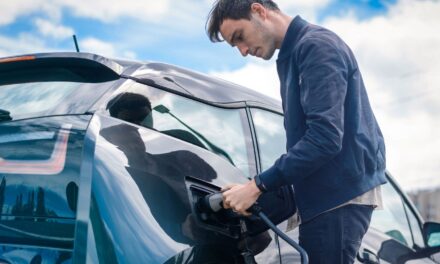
(155, 40)
(363, 9)
(396, 43)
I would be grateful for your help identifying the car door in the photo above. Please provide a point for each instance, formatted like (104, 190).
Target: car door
(155, 154)
(271, 142)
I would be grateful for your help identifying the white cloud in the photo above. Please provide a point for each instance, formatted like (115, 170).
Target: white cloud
(22, 44)
(103, 10)
(27, 43)
(97, 46)
(413, 153)
(399, 52)
(129, 55)
(48, 28)
(400, 61)
(163, 14)
(307, 8)
(103, 48)
(261, 77)
(9, 10)
(111, 10)
(157, 12)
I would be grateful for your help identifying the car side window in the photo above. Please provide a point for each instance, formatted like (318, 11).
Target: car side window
(271, 137)
(222, 131)
(395, 219)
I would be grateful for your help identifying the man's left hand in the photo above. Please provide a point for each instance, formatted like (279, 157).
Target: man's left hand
(239, 197)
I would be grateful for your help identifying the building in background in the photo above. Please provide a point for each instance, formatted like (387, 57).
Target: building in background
(427, 201)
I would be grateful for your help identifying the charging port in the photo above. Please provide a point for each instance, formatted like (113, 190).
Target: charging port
(224, 221)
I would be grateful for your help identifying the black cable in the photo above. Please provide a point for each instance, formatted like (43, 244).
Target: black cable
(213, 202)
(279, 248)
(256, 210)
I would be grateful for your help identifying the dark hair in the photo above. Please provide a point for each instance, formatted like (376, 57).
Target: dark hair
(232, 9)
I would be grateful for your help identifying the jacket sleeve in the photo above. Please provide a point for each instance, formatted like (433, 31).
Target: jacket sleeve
(323, 86)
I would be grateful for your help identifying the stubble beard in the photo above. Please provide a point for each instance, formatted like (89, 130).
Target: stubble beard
(268, 41)
(269, 53)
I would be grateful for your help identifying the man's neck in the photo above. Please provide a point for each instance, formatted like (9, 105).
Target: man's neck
(282, 25)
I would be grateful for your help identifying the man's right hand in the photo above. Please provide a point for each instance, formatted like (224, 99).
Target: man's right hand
(240, 197)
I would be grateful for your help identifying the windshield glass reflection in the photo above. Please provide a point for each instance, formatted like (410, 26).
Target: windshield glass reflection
(219, 130)
(26, 98)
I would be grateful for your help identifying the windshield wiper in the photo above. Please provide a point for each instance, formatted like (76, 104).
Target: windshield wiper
(5, 115)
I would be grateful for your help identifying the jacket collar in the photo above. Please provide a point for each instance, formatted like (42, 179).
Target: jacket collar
(291, 37)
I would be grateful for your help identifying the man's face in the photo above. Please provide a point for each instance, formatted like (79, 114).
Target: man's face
(249, 36)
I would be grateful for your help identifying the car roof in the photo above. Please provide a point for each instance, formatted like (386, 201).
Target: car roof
(202, 86)
(190, 83)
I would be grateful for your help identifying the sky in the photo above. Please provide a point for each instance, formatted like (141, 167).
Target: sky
(396, 43)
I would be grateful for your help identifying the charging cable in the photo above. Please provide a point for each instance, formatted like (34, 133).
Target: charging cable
(214, 203)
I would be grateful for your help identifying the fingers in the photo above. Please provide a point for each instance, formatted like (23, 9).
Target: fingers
(239, 198)
(228, 187)
(226, 200)
(241, 212)
(237, 208)
(226, 205)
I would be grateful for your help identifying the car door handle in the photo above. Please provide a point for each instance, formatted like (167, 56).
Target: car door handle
(367, 256)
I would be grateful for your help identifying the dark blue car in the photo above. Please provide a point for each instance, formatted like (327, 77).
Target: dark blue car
(107, 161)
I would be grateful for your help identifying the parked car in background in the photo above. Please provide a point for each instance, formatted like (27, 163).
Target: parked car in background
(106, 161)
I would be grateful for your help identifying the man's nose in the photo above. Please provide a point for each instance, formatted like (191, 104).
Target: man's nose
(244, 50)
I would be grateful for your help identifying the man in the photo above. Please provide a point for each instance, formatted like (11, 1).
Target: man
(335, 156)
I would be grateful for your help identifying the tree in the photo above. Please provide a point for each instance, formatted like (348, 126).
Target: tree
(41, 208)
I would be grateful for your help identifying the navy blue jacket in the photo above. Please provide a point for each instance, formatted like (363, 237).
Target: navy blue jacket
(335, 149)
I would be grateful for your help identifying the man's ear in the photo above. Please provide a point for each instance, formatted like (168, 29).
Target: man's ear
(259, 9)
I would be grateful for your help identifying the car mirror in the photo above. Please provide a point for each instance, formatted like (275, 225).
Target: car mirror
(161, 109)
(431, 233)
(394, 251)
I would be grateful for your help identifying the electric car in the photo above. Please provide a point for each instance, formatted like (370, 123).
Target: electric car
(109, 161)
